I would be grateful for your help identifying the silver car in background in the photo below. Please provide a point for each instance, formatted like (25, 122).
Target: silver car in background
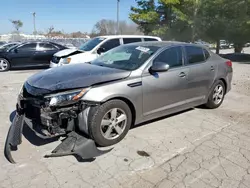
(128, 85)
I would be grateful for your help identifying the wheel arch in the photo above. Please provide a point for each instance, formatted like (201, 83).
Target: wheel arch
(224, 82)
(130, 105)
(219, 79)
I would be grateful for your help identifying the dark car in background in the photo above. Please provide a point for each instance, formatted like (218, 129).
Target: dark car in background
(28, 54)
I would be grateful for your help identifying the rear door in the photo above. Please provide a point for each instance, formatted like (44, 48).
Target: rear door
(22, 56)
(201, 72)
(44, 53)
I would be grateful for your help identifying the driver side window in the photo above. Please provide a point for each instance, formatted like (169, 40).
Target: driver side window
(171, 56)
(27, 47)
(110, 44)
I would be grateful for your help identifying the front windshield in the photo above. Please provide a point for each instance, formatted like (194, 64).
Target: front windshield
(89, 45)
(126, 57)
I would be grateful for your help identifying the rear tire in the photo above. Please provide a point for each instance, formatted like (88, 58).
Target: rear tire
(109, 123)
(216, 95)
(4, 65)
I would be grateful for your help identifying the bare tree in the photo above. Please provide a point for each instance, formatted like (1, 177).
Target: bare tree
(50, 30)
(129, 28)
(108, 27)
(17, 24)
(78, 34)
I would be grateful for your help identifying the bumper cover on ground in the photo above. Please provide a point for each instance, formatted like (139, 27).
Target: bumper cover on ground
(73, 144)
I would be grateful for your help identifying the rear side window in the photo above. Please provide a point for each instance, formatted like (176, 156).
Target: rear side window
(206, 53)
(150, 39)
(112, 43)
(131, 40)
(171, 56)
(194, 54)
(46, 46)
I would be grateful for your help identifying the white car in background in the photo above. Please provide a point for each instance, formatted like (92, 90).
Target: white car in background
(94, 47)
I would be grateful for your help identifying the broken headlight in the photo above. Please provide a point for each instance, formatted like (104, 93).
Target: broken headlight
(66, 98)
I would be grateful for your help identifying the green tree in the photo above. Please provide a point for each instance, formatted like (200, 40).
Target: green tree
(225, 19)
(189, 20)
(145, 16)
(170, 19)
(17, 24)
(238, 22)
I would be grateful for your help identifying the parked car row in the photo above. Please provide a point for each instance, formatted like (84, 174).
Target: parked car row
(127, 85)
(45, 54)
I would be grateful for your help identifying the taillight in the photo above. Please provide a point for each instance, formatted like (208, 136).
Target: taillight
(229, 63)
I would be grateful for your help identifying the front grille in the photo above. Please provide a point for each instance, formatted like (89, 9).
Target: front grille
(55, 59)
(32, 112)
(32, 102)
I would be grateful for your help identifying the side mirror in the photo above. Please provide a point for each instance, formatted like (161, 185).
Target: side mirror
(15, 50)
(159, 67)
(100, 50)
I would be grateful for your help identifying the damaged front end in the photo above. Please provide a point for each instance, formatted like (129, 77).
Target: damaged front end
(54, 115)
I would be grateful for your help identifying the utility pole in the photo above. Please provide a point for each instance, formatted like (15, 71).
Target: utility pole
(34, 22)
(117, 29)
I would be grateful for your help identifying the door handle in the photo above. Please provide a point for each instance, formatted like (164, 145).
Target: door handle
(182, 75)
(212, 68)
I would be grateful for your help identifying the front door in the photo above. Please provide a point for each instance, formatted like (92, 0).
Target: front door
(22, 56)
(165, 90)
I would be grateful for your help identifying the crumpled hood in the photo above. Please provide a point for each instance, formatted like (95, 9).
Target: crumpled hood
(74, 76)
(67, 52)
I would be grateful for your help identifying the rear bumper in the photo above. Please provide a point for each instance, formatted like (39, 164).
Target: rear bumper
(229, 81)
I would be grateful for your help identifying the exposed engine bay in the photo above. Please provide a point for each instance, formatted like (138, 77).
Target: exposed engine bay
(49, 119)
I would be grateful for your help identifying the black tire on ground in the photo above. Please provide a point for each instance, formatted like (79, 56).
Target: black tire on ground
(211, 103)
(8, 65)
(95, 118)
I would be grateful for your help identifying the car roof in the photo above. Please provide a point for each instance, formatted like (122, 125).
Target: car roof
(161, 44)
(45, 41)
(128, 36)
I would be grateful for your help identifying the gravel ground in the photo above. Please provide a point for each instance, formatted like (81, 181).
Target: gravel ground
(197, 148)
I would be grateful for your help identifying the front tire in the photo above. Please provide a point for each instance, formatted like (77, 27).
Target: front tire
(216, 95)
(109, 123)
(4, 65)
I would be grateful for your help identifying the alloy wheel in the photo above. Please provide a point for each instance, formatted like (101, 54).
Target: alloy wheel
(218, 94)
(113, 123)
(3, 64)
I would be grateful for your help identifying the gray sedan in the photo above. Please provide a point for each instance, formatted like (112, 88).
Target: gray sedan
(127, 85)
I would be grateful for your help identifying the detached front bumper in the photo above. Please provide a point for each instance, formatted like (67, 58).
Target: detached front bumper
(14, 137)
(74, 144)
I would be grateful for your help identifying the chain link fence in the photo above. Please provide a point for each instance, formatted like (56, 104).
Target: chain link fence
(68, 42)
